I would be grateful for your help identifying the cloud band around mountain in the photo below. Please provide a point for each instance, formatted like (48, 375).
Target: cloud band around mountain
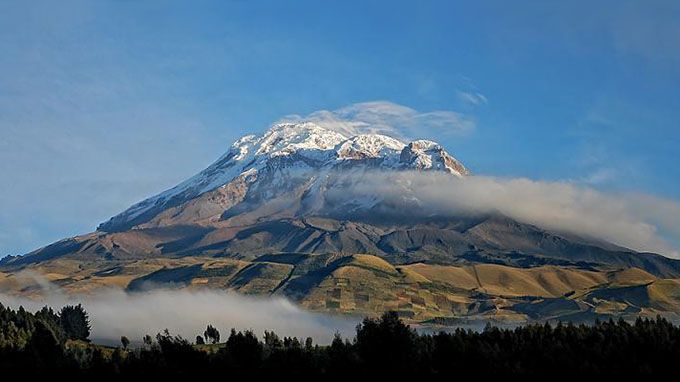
(637, 221)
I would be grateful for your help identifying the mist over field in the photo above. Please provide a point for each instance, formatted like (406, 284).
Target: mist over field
(114, 313)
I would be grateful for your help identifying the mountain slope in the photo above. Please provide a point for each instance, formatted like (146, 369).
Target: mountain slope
(291, 189)
(279, 214)
(493, 239)
(363, 284)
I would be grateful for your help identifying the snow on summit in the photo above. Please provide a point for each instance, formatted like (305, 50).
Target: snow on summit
(297, 151)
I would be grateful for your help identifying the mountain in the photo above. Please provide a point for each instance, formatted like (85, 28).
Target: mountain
(296, 212)
(290, 161)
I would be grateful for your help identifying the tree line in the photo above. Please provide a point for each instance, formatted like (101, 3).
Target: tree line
(57, 343)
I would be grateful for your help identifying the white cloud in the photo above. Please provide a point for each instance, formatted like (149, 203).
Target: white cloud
(472, 98)
(114, 313)
(389, 118)
(640, 222)
(601, 175)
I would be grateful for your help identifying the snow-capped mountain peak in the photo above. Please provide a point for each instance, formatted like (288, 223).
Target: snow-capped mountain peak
(287, 138)
(280, 159)
(425, 155)
(369, 146)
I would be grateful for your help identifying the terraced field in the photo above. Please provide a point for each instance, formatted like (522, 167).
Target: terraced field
(363, 284)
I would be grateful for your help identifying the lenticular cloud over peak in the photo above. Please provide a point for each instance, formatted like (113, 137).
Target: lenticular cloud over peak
(384, 117)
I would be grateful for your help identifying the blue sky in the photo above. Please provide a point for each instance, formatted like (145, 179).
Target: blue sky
(105, 103)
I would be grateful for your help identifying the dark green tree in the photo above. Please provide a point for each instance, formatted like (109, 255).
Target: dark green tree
(75, 322)
(125, 342)
(212, 334)
(44, 347)
(386, 343)
(245, 349)
(147, 340)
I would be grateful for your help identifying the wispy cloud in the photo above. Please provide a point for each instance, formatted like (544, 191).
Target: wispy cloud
(614, 146)
(472, 98)
(389, 118)
(637, 221)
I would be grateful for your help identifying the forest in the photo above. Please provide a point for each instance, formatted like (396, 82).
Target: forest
(57, 343)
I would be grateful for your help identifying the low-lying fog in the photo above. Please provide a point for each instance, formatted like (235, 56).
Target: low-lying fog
(114, 313)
